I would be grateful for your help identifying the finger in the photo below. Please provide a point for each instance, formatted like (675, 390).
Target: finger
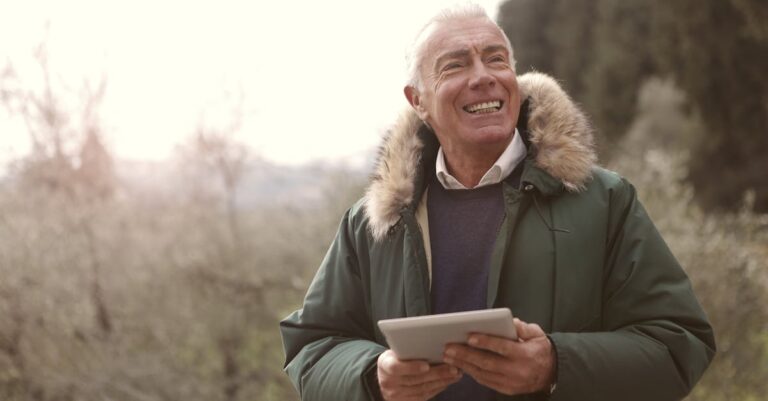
(426, 390)
(438, 390)
(533, 330)
(527, 331)
(498, 383)
(436, 373)
(520, 327)
(503, 381)
(395, 387)
(390, 364)
(499, 345)
(460, 356)
(479, 373)
(423, 390)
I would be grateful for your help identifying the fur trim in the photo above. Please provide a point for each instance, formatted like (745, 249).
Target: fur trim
(392, 186)
(559, 131)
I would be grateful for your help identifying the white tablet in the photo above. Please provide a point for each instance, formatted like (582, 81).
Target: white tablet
(425, 337)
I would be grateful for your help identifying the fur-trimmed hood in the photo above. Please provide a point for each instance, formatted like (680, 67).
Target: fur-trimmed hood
(560, 137)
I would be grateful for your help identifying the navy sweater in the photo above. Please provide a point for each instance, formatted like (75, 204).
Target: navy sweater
(463, 226)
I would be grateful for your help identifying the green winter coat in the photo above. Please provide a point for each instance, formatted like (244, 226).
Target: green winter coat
(577, 254)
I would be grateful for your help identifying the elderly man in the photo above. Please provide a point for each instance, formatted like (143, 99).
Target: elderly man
(487, 195)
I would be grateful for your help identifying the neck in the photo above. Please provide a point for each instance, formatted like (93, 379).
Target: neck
(470, 168)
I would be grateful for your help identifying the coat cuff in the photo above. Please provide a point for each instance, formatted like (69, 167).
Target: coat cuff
(560, 362)
(547, 393)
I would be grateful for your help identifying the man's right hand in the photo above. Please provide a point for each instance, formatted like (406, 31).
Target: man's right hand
(412, 380)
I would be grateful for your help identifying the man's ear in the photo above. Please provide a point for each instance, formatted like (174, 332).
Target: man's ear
(412, 94)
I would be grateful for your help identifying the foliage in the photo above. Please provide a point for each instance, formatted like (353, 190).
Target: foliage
(64, 130)
(617, 67)
(190, 313)
(120, 290)
(714, 50)
(165, 288)
(593, 47)
(521, 21)
(725, 255)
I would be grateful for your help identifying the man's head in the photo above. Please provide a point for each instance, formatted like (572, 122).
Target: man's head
(463, 81)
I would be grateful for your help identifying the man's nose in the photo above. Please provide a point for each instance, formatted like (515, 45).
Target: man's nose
(481, 77)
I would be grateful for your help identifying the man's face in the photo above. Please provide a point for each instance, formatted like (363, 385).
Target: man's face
(469, 92)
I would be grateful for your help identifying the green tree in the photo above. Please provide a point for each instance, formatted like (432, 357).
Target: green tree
(725, 255)
(596, 49)
(619, 64)
(571, 35)
(522, 20)
(716, 52)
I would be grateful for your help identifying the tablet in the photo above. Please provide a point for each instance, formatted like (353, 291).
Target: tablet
(425, 337)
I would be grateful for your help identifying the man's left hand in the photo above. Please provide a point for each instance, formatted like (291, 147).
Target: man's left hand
(526, 365)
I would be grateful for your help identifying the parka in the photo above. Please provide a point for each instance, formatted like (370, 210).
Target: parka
(577, 254)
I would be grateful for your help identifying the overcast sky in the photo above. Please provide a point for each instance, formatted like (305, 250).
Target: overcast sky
(320, 79)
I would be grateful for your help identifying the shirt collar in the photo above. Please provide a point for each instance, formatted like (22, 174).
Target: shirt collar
(504, 165)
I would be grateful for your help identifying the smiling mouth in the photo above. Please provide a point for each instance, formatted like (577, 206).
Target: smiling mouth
(485, 107)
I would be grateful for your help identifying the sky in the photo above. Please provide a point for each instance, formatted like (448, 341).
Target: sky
(315, 80)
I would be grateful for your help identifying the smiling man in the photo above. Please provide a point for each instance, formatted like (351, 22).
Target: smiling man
(487, 195)
(467, 91)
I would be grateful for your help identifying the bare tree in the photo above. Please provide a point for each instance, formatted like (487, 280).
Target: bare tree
(214, 153)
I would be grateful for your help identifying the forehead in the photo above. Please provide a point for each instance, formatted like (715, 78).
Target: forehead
(462, 34)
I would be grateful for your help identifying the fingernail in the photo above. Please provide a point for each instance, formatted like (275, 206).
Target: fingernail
(472, 340)
(454, 371)
(448, 360)
(424, 368)
(450, 352)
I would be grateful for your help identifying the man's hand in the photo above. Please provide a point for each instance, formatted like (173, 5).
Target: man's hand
(511, 367)
(412, 380)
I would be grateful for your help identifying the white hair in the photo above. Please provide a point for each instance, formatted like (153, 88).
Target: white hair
(415, 54)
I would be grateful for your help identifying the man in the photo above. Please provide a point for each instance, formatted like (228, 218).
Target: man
(487, 195)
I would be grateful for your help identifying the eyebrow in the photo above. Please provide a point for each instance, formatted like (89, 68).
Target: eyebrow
(465, 52)
(450, 55)
(495, 48)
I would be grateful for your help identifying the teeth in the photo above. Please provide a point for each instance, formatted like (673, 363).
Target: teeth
(486, 107)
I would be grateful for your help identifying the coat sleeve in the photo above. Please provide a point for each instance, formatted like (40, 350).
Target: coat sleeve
(329, 343)
(654, 341)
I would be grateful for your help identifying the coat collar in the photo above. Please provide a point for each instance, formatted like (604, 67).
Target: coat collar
(558, 136)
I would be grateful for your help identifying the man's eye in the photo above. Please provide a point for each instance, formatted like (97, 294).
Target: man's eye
(451, 66)
(497, 59)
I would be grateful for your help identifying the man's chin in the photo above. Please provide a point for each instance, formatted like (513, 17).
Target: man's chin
(491, 135)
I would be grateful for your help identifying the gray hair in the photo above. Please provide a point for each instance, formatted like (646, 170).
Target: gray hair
(415, 54)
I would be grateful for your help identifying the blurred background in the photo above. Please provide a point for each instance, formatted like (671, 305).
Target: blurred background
(171, 174)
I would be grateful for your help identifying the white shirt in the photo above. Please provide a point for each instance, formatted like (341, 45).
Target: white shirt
(506, 163)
